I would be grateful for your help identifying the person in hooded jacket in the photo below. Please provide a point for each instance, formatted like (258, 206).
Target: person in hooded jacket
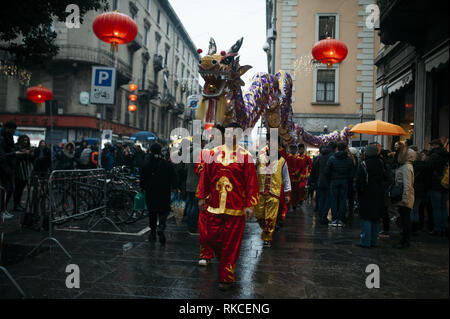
(369, 185)
(66, 160)
(404, 175)
(339, 171)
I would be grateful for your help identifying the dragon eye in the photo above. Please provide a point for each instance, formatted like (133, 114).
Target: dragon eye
(214, 62)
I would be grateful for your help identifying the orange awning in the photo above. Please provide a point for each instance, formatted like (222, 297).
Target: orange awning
(378, 128)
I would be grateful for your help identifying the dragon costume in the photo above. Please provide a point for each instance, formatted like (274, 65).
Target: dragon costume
(269, 97)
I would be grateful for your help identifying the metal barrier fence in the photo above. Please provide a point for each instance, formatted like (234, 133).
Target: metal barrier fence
(2, 237)
(65, 186)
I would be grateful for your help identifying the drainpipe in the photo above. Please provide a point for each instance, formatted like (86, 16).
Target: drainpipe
(274, 26)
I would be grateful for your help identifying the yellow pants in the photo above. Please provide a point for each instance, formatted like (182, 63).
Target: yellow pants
(266, 213)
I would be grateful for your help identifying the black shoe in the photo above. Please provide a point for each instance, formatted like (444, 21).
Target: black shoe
(162, 238)
(362, 246)
(152, 237)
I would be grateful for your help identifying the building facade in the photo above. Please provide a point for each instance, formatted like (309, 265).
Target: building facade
(412, 69)
(326, 99)
(162, 61)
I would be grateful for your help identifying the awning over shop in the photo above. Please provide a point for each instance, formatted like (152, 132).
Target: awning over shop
(400, 82)
(437, 59)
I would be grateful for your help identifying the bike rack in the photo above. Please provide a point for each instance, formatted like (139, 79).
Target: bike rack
(100, 172)
(5, 271)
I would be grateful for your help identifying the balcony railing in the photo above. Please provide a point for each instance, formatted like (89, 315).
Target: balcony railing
(92, 55)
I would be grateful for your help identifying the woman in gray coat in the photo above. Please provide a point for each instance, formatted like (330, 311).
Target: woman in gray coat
(405, 175)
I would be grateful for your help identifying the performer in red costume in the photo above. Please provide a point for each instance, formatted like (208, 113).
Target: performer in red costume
(304, 164)
(230, 183)
(206, 252)
(293, 163)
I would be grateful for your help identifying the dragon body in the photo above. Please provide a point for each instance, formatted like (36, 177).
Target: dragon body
(269, 98)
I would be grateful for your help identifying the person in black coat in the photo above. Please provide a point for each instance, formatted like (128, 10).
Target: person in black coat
(23, 170)
(323, 186)
(8, 155)
(369, 185)
(42, 158)
(420, 192)
(339, 171)
(158, 178)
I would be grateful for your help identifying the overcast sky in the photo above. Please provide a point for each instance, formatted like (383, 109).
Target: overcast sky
(227, 21)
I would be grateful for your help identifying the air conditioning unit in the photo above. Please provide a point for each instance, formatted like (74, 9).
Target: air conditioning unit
(271, 34)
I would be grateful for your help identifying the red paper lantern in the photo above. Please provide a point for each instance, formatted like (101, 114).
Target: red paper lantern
(39, 94)
(133, 87)
(133, 97)
(329, 51)
(115, 28)
(132, 107)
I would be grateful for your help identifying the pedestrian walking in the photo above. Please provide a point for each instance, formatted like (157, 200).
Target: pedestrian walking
(158, 179)
(339, 171)
(323, 185)
(436, 166)
(369, 186)
(192, 210)
(229, 180)
(404, 178)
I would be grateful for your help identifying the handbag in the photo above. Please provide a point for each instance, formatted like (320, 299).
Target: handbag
(139, 202)
(395, 193)
(178, 206)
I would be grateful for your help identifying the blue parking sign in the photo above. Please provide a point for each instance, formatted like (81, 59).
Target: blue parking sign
(103, 77)
(103, 85)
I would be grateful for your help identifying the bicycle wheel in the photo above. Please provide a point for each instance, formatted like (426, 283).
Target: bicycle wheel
(64, 206)
(120, 205)
(85, 202)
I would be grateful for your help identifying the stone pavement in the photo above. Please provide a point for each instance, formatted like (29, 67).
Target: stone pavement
(307, 260)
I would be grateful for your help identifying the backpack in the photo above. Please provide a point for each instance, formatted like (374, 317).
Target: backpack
(444, 180)
(85, 156)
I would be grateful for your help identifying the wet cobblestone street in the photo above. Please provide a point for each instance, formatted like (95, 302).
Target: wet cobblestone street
(306, 261)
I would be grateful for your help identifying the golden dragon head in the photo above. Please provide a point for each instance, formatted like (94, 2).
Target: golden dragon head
(221, 71)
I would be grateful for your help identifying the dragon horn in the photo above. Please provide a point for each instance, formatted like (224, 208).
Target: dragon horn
(212, 47)
(235, 48)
